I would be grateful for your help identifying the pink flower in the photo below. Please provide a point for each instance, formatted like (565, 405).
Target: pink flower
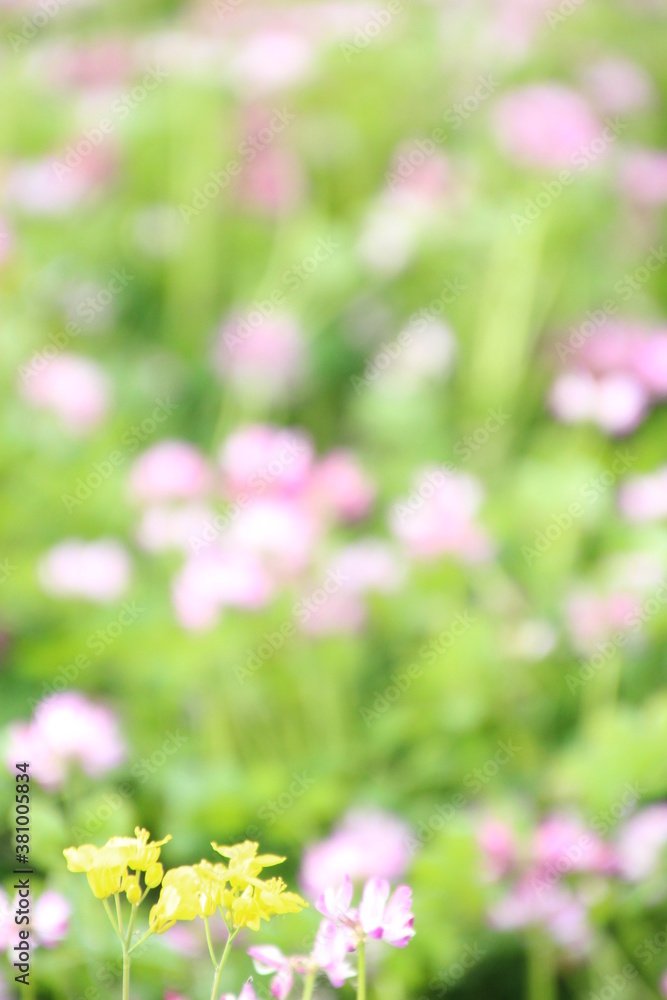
(73, 387)
(262, 357)
(497, 842)
(618, 86)
(617, 403)
(341, 487)
(214, 579)
(50, 919)
(369, 564)
(50, 187)
(553, 906)
(591, 617)
(563, 844)
(663, 984)
(329, 954)
(280, 530)
(643, 177)
(181, 527)
(439, 518)
(544, 125)
(169, 470)
(650, 363)
(260, 458)
(642, 843)
(66, 730)
(272, 182)
(271, 60)
(644, 498)
(94, 571)
(378, 916)
(367, 843)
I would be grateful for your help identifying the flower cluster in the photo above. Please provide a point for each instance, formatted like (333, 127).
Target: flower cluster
(115, 867)
(236, 889)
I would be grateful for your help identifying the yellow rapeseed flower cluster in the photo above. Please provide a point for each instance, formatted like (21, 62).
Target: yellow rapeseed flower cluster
(243, 898)
(109, 868)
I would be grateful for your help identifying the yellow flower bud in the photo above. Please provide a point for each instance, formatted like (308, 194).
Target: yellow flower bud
(132, 889)
(154, 875)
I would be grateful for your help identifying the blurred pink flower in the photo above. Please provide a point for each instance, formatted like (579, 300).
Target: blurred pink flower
(329, 954)
(247, 993)
(340, 486)
(379, 915)
(592, 617)
(650, 362)
(554, 906)
(73, 387)
(367, 843)
(216, 578)
(642, 843)
(51, 186)
(618, 86)
(260, 458)
(169, 470)
(6, 240)
(369, 564)
(438, 518)
(563, 844)
(281, 531)
(272, 181)
(271, 60)
(263, 357)
(498, 845)
(66, 729)
(50, 918)
(643, 176)
(617, 403)
(644, 498)
(163, 528)
(95, 571)
(544, 125)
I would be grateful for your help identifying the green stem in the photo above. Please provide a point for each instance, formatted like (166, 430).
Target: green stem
(126, 973)
(308, 984)
(220, 966)
(210, 943)
(110, 916)
(119, 915)
(361, 971)
(541, 972)
(130, 926)
(140, 941)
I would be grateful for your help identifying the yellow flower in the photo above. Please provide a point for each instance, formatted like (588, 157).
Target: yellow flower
(244, 862)
(153, 875)
(106, 867)
(274, 900)
(184, 896)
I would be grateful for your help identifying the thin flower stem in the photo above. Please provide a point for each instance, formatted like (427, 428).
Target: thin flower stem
(130, 926)
(126, 974)
(361, 971)
(107, 907)
(120, 916)
(140, 941)
(221, 965)
(210, 943)
(308, 984)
